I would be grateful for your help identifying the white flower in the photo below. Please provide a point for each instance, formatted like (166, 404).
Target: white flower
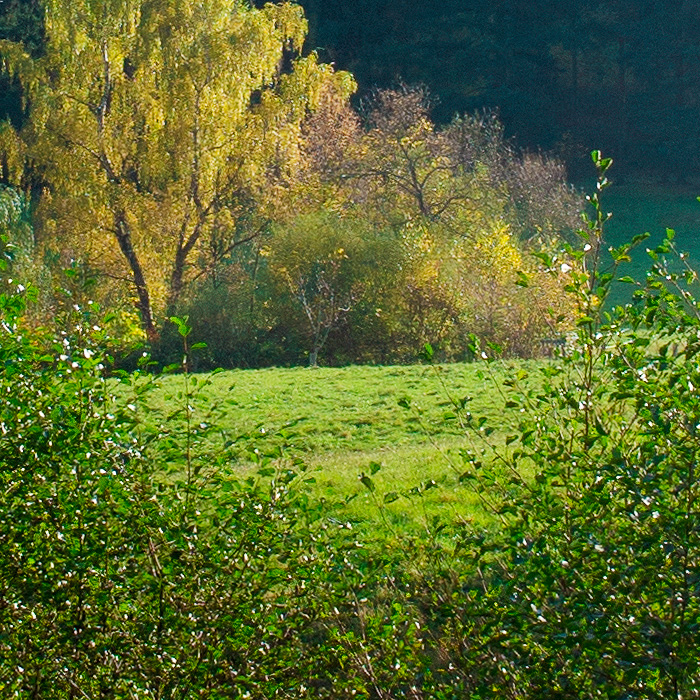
(87, 353)
(565, 267)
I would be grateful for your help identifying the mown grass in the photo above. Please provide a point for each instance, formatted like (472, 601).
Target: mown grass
(395, 424)
(346, 422)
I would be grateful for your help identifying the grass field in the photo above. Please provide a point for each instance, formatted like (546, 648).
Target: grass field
(643, 207)
(347, 421)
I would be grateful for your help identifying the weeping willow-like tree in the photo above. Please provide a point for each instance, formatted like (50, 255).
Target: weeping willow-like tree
(154, 125)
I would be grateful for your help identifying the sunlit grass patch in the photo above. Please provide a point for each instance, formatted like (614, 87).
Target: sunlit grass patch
(397, 425)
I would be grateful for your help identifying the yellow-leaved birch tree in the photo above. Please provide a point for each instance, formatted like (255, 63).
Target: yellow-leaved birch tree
(152, 123)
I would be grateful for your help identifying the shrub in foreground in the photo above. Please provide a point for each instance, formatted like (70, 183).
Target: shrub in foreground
(592, 588)
(143, 563)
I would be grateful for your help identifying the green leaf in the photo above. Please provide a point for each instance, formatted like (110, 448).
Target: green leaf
(182, 328)
(368, 483)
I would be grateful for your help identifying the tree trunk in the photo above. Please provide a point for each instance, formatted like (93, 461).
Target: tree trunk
(184, 248)
(313, 357)
(177, 278)
(123, 234)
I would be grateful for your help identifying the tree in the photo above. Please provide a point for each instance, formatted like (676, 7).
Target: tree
(467, 212)
(155, 125)
(407, 161)
(20, 20)
(325, 262)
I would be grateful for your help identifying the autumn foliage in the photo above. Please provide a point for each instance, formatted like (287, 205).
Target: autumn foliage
(194, 160)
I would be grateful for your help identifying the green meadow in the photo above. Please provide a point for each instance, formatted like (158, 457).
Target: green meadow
(647, 207)
(397, 425)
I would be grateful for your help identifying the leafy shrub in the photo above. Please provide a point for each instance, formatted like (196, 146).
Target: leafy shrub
(124, 573)
(593, 584)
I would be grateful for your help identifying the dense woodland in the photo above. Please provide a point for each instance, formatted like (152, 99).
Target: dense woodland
(564, 76)
(567, 75)
(478, 85)
(201, 162)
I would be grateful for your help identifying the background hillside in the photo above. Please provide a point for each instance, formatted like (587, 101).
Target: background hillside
(564, 74)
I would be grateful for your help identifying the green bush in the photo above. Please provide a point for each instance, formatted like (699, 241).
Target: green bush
(120, 576)
(148, 563)
(593, 582)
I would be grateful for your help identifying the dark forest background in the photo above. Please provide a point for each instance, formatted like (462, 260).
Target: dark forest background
(565, 76)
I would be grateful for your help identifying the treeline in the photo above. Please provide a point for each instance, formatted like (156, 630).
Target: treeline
(572, 76)
(193, 161)
(614, 74)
